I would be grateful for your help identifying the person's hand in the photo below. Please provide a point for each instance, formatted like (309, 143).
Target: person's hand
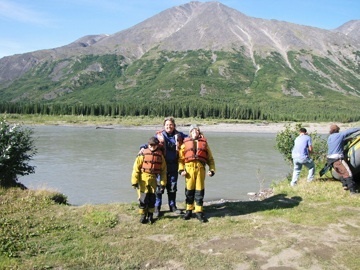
(183, 173)
(211, 173)
(135, 186)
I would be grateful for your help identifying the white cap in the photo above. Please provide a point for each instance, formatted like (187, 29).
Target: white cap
(193, 127)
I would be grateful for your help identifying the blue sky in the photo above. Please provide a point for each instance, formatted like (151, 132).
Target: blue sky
(44, 24)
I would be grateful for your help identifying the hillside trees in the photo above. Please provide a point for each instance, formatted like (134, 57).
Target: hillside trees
(295, 111)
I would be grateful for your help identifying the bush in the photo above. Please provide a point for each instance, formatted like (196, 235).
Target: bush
(16, 150)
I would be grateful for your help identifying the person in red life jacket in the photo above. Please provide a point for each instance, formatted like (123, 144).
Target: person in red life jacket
(194, 154)
(170, 141)
(148, 166)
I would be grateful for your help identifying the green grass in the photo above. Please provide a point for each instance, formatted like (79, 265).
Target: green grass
(317, 221)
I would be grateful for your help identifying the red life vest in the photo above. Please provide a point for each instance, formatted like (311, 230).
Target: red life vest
(152, 161)
(200, 153)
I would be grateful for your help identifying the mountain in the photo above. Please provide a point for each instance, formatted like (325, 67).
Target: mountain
(196, 51)
(351, 29)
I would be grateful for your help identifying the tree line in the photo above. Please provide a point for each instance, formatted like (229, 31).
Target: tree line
(217, 110)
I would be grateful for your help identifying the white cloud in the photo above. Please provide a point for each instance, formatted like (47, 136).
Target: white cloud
(21, 13)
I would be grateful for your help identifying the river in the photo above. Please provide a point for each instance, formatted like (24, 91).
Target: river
(93, 166)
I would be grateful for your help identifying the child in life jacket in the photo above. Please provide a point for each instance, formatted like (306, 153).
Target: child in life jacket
(194, 154)
(149, 164)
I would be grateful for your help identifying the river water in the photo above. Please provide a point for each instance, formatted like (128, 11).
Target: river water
(93, 166)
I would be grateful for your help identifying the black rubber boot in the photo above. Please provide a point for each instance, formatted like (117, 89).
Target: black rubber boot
(172, 203)
(151, 218)
(188, 214)
(350, 184)
(143, 219)
(200, 216)
(343, 181)
(344, 184)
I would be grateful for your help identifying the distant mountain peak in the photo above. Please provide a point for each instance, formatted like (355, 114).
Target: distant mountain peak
(351, 29)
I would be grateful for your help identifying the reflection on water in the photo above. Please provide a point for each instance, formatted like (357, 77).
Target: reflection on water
(94, 166)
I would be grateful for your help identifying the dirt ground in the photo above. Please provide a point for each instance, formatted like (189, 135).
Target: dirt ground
(301, 247)
(277, 244)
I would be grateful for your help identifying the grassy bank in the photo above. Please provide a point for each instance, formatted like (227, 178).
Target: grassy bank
(311, 226)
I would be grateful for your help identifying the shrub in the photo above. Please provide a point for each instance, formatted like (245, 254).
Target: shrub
(285, 143)
(16, 150)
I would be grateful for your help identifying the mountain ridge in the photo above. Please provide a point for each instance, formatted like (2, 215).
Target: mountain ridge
(215, 46)
(271, 36)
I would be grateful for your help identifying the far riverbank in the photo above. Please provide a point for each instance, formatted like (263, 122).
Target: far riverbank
(321, 128)
(156, 123)
(263, 127)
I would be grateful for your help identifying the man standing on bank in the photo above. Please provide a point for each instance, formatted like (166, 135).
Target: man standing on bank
(194, 154)
(300, 155)
(336, 142)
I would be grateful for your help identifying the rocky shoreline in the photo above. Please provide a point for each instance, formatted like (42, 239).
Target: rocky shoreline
(321, 128)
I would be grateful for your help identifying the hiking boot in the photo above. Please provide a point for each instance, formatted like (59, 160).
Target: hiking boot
(200, 216)
(175, 210)
(187, 215)
(143, 219)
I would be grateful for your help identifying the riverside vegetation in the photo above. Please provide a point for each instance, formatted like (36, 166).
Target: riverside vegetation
(311, 226)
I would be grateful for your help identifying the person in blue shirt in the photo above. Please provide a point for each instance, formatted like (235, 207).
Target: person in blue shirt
(300, 155)
(335, 156)
(170, 141)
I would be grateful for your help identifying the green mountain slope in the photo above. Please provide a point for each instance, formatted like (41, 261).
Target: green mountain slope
(201, 78)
